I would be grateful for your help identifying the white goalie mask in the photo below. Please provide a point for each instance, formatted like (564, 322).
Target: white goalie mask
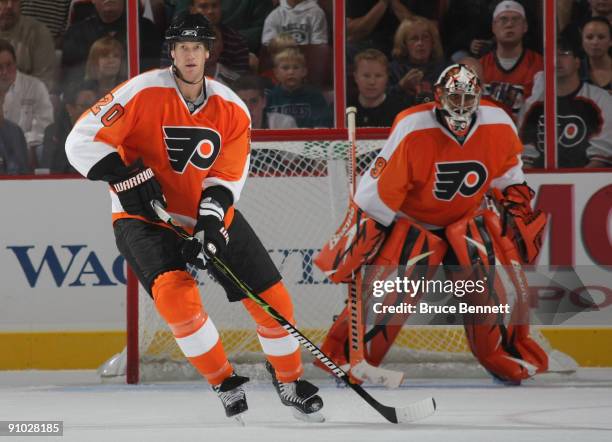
(457, 93)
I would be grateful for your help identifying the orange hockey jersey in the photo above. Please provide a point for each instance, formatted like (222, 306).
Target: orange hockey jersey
(147, 118)
(424, 174)
(510, 88)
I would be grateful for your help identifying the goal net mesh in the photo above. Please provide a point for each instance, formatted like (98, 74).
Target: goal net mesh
(295, 197)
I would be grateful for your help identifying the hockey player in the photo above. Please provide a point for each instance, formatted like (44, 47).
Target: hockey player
(173, 136)
(422, 201)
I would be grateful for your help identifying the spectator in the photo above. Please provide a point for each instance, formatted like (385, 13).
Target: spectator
(247, 17)
(596, 42)
(375, 108)
(417, 61)
(76, 100)
(109, 19)
(51, 13)
(584, 113)
(233, 51)
(509, 69)
(13, 147)
(372, 23)
(601, 8)
(106, 64)
(303, 19)
(291, 97)
(32, 42)
(26, 101)
(251, 90)
(277, 44)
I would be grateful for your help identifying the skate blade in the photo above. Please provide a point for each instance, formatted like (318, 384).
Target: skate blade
(315, 417)
(240, 419)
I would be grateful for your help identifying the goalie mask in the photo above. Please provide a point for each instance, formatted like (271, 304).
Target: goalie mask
(457, 94)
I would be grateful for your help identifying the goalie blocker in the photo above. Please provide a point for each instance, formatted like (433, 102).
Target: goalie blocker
(475, 243)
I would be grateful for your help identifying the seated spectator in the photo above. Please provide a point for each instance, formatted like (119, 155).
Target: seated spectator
(417, 61)
(106, 64)
(32, 42)
(109, 19)
(233, 51)
(277, 44)
(303, 19)
(26, 101)
(375, 108)
(584, 117)
(13, 146)
(52, 14)
(76, 100)
(251, 90)
(509, 69)
(596, 42)
(292, 97)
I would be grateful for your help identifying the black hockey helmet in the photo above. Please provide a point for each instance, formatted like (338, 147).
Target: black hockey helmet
(190, 27)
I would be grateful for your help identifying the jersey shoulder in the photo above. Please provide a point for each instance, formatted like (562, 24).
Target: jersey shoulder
(490, 113)
(216, 89)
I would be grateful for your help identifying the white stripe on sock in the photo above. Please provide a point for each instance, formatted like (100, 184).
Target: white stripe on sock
(278, 346)
(199, 342)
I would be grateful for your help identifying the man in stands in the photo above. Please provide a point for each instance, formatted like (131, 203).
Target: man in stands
(584, 113)
(421, 201)
(32, 41)
(509, 69)
(180, 139)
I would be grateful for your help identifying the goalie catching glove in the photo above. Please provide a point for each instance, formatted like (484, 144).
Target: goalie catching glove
(136, 187)
(354, 244)
(519, 222)
(210, 237)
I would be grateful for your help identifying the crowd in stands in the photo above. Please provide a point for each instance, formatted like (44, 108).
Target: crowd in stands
(57, 57)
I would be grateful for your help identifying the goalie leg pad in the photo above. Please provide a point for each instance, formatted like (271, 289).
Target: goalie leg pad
(407, 246)
(354, 244)
(500, 345)
(177, 300)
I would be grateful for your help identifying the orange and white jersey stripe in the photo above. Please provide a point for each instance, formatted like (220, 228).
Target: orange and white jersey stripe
(147, 117)
(424, 174)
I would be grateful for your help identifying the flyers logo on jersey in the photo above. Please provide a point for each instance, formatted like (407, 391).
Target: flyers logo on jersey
(463, 177)
(191, 145)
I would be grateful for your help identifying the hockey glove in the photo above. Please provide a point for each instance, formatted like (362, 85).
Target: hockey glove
(136, 186)
(519, 221)
(209, 232)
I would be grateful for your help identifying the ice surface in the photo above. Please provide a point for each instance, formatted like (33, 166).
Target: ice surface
(468, 410)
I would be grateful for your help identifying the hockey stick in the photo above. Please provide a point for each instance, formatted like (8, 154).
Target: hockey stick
(413, 412)
(360, 369)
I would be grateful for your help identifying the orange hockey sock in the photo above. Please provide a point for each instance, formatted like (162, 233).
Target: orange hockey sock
(281, 349)
(178, 301)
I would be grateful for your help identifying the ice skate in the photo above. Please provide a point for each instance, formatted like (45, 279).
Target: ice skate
(232, 396)
(301, 395)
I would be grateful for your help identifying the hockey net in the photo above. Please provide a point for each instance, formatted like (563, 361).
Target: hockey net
(295, 198)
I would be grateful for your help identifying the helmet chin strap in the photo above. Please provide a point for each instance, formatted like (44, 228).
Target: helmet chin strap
(178, 75)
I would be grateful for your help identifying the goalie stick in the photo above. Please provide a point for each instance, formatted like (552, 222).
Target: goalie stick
(413, 412)
(360, 369)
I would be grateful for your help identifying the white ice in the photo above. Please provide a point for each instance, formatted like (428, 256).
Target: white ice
(468, 410)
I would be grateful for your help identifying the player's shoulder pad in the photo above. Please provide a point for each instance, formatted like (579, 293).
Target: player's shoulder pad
(155, 78)
(215, 88)
(491, 113)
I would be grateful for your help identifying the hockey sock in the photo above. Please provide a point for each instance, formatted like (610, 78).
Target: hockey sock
(281, 349)
(178, 301)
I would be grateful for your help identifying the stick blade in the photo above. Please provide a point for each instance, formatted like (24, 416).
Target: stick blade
(416, 411)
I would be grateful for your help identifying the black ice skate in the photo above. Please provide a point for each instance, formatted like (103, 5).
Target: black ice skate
(232, 396)
(301, 395)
